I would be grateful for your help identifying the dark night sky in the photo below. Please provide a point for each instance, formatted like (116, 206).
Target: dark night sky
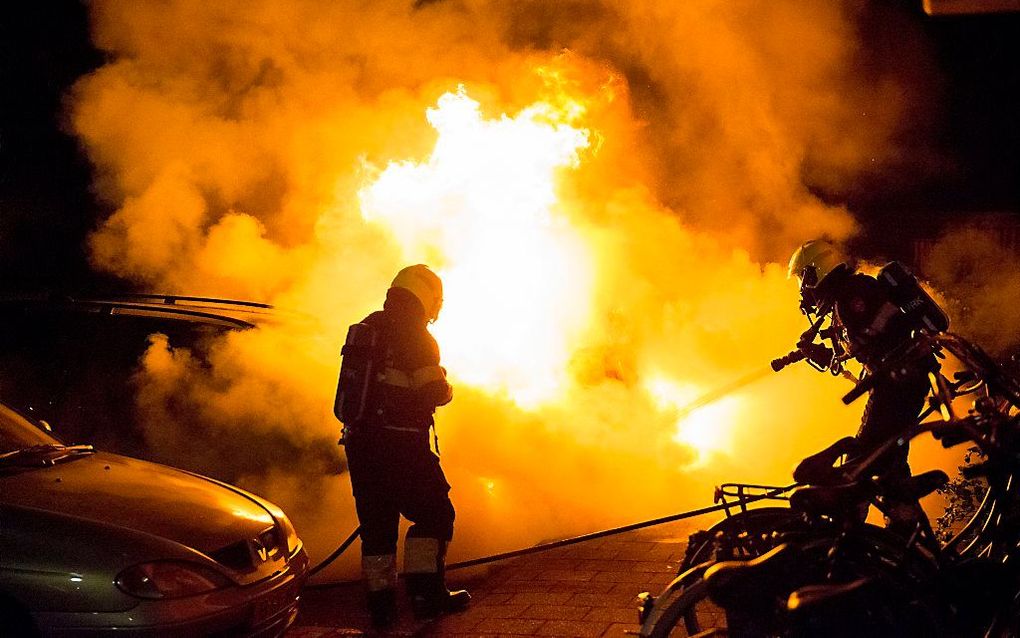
(977, 129)
(46, 208)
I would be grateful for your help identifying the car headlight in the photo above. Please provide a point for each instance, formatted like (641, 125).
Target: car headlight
(169, 579)
(288, 533)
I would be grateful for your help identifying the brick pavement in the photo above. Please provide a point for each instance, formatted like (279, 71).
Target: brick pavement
(586, 590)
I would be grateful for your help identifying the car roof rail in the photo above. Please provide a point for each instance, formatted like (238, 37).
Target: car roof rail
(228, 313)
(173, 299)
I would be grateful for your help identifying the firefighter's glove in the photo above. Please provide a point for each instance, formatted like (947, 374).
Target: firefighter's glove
(817, 354)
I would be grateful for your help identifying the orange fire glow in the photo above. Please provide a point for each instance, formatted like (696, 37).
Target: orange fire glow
(482, 210)
(708, 429)
(609, 202)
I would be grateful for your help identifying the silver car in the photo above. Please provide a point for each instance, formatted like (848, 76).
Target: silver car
(94, 543)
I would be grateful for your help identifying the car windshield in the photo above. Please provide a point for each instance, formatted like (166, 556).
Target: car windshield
(17, 432)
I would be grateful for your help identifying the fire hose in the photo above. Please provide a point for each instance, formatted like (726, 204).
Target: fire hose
(542, 547)
(700, 402)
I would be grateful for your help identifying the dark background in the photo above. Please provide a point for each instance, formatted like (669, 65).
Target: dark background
(47, 209)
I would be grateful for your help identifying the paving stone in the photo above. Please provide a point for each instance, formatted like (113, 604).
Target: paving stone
(611, 599)
(541, 563)
(669, 567)
(662, 553)
(580, 587)
(613, 614)
(453, 624)
(522, 586)
(517, 626)
(618, 630)
(599, 565)
(572, 628)
(626, 577)
(555, 612)
(499, 611)
(632, 589)
(557, 598)
(563, 574)
(633, 547)
(595, 553)
(489, 598)
(523, 573)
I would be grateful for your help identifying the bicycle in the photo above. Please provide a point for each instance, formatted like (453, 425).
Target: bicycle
(758, 537)
(684, 607)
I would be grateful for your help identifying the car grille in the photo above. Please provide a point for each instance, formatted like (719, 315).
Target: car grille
(247, 554)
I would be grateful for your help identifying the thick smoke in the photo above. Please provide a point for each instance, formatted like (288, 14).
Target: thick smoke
(978, 263)
(231, 141)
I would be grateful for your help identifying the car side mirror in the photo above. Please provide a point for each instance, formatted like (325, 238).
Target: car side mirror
(45, 425)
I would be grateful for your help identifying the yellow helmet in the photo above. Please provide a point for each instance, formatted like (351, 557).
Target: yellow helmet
(814, 261)
(423, 284)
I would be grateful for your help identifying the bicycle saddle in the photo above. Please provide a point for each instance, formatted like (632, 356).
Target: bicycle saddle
(818, 469)
(829, 500)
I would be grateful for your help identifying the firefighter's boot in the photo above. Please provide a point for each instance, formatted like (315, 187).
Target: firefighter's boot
(380, 574)
(382, 607)
(424, 568)
(430, 597)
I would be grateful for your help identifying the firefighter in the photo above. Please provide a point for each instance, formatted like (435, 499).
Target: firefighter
(393, 470)
(867, 324)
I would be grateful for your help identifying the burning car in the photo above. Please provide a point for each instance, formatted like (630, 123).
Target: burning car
(96, 542)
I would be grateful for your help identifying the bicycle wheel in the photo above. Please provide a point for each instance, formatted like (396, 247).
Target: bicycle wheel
(686, 611)
(744, 535)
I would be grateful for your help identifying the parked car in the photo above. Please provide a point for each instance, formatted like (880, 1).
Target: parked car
(95, 543)
(71, 360)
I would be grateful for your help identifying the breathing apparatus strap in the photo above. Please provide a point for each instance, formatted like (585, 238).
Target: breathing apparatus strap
(817, 313)
(881, 320)
(414, 379)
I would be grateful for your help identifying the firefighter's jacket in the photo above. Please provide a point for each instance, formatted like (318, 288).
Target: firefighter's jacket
(410, 384)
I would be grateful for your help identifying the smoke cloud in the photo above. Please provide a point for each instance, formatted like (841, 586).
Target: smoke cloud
(980, 266)
(233, 142)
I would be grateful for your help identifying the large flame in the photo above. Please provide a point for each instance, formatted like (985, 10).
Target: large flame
(519, 277)
(482, 210)
(707, 429)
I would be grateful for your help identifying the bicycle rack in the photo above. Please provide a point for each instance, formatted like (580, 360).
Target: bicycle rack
(737, 495)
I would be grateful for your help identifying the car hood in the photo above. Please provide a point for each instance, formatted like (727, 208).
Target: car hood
(141, 496)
